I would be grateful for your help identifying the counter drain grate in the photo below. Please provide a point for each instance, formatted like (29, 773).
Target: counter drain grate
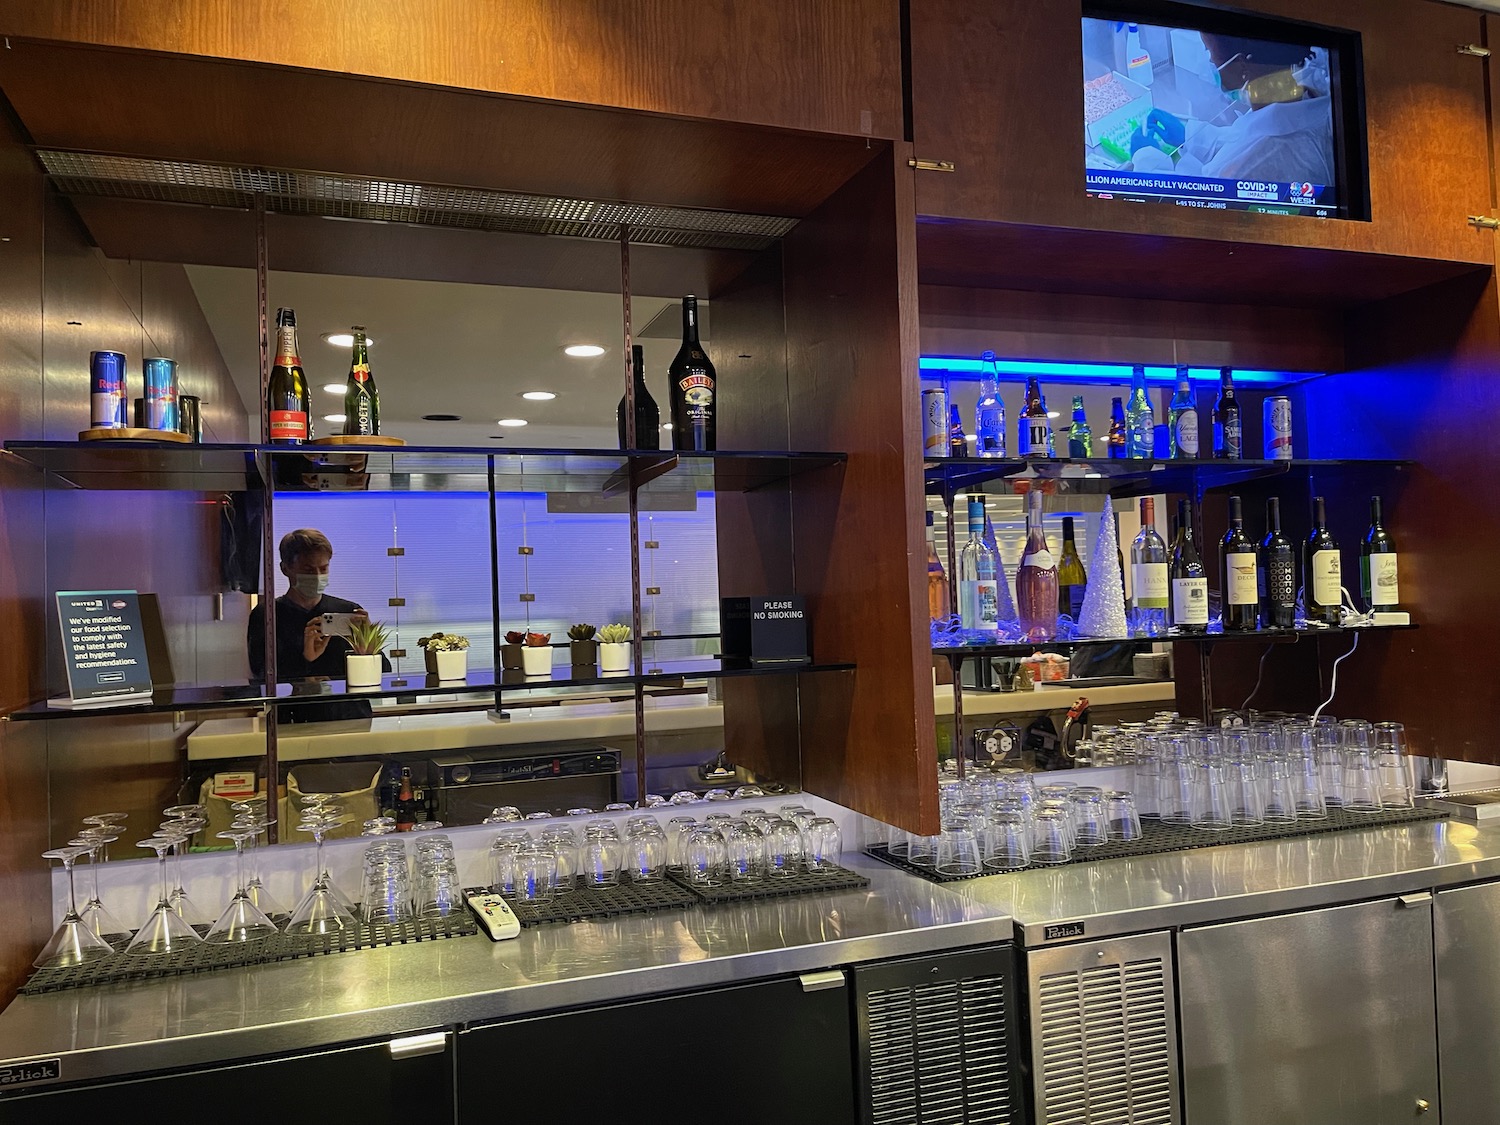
(835, 879)
(1160, 838)
(584, 904)
(120, 967)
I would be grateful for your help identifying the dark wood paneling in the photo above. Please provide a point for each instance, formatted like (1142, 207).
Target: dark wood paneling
(1015, 68)
(832, 66)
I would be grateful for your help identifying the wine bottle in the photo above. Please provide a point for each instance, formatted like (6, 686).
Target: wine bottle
(989, 412)
(1148, 571)
(1140, 422)
(361, 399)
(1072, 579)
(958, 441)
(1116, 437)
(1377, 566)
(647, 414)
(978, 570)
(1036, 578)
(1189, 577)
(1227, 430)
(1237, 559)
(1182, 417)
(1035, 432)
(1080, 437)
(693, 388)
(288, 407)
(1322, 578)
(938, 604)
(1276, 573)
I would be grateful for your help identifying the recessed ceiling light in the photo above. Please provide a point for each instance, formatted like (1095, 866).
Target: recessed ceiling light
(345, 339)
(583, 351)
(512, 421)
(538, 396)
(334, 418)
(442, 418)
(335, 388)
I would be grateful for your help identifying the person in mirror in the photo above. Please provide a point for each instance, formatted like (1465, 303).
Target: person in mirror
(303, 650)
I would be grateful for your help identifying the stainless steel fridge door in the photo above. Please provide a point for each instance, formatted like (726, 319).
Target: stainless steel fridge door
(1465, 923)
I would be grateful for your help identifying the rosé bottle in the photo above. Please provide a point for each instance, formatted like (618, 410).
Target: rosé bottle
(1036, 579)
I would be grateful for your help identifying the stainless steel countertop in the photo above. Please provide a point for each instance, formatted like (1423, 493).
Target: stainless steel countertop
(195, 1020)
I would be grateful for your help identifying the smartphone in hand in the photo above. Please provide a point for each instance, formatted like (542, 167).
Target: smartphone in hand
(336, 624)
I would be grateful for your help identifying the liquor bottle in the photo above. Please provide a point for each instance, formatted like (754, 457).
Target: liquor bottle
(361, 398)
(1140, 422)
(1148, 569)
(989, 412)
(1035, 431)
(693, 388)
(647, 414)
(406, 803)
(978, 571)
(1182, 417)
(1377, 565)
(1116, 437)
(1189, 577)
(1228, 444)
(1276, 574)
(958, 442)
(1072, 579)
(1080, 437)
(288, 407)
(1161, 433)
(1238, 563)
(938, 603)
(1036, 578)
(1322, 578)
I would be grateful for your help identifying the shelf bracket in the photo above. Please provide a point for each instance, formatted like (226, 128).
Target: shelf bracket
(1474, 50)
(1484, 222)
(932, 165)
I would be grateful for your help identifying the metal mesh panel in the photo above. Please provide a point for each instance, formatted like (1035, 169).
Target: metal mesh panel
(434, 205)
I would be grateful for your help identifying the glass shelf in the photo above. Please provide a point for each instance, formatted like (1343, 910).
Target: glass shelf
(232, 696)
(1264, 636)
(1121, 477)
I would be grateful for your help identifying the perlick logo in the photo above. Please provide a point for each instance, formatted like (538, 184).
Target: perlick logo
(1066, 930)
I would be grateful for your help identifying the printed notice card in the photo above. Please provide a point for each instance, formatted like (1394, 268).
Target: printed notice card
(104, 645)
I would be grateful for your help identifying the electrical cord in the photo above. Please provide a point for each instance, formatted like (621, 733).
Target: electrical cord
(1333, 687)
(1259, 676)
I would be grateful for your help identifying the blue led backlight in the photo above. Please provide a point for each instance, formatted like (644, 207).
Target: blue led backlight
(1111, 373)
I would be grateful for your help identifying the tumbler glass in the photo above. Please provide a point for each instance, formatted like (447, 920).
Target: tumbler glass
(745, 847)
(536, 872)
(1328, 742)
(1052, 836)
(646, 852)
(1306, 771)
(1007, 843)
(783, 849)
(705, 859)
(563, 841)
(1123, 817)
(1090, 821)
(1211, 797)
(601, 855)
(959, 850)
(1391, 762)
(823, 844)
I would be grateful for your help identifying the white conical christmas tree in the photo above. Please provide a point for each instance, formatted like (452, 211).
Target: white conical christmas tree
(1007, 607)
(1103, 610)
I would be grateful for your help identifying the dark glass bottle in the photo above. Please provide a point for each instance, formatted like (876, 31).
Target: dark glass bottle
(647, 415)
(1072, 579)
(693, 386)
(1228, 433)
(1276, 573)
(1238, 570)
(1035, 431)
(1322, 577)
(1377, 565)
(958, 442)
(1189, 577)
(361, 399)
(406, 803)
(1116, 438)
(288, 407)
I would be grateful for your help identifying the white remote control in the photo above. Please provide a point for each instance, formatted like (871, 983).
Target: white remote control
(495, 916)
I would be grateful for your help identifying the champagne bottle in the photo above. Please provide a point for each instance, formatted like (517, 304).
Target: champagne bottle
(1036, 578)
(647, 415)
(1140, 422)
(1322, 578)
(1148, 569)
(1116, 437)
(361, 399)
(1035, 436)
(1276, 574)
(989, 411)
(1189, 577)
(937, 579)
(1182, 418)
(693, 388)
(288, 406)
(1377, 566)
(978, 571)
(1080, 437)
(1238, 562)
(1228, 444)
(1072, 579)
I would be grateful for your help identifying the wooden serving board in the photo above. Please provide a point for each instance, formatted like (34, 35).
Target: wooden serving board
(130, 433)
(356, 439)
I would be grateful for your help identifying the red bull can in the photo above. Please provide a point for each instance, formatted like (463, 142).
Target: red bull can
(161, 393)
(1278, 428)
(108, 399)
(935, 422)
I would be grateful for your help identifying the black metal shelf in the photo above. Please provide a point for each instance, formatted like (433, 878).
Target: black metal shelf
(1262, 636)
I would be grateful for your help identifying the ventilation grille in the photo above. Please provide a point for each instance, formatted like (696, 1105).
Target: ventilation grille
(939, 1054)
(1105, 1045)
(354, 197)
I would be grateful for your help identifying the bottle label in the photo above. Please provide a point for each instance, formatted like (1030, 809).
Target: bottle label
(698, 396)
(1227, 438)
(989, 445)
(288, 425)
(1241, 587)
(1187, 433)
(1041, 559)
(979, 604)
(1190, 601)
(1381, 585)
(1326, 578)
(1033, 436)
(286, 347)
(359, 372)
(1150, 584)
(1280, 579)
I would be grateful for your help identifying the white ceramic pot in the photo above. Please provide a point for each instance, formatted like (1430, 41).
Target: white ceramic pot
(537, 661)
(452, 665)
(363, 671)
(614, 657)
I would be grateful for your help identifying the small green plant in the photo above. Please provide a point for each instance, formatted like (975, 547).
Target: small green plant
(443, 642)
(368, 638)
(581, 632)
(515, 638)
(614, 634)
(538, 640)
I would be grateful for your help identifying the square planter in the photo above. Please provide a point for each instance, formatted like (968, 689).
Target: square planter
(362, 671)
(510, 657)
(537, 661)
(614, 657)
(583, 652)
(451, 665)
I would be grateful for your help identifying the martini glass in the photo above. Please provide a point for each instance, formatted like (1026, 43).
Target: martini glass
(255, 817)
(242, 921)
(183, 829)
(95, 914)
(108, 822)
(165, 931)
(318, 806)
(321, 911)
(73, 943)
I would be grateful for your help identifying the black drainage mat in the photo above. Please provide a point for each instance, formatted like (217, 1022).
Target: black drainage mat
(278, 947)
(1161, 838)
(583, 903)
(835, 879)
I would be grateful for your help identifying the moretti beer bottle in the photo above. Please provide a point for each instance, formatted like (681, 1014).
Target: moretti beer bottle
(361, 399)
(693, 387)
(288, 410)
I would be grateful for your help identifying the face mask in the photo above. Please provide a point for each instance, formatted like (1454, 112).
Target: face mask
(310, 585)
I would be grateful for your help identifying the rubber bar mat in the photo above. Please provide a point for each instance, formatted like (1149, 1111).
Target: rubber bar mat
(582, 903)
(835, 879)
(278, 947)
(1161, 838)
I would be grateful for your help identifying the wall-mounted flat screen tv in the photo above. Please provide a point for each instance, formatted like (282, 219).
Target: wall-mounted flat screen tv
(1203, 108)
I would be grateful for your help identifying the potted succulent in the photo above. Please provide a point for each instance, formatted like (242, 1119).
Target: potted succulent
(447, 655)
(582, 647)
(536, 656)
(367, 640)
(614, 648)
(510, 651)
